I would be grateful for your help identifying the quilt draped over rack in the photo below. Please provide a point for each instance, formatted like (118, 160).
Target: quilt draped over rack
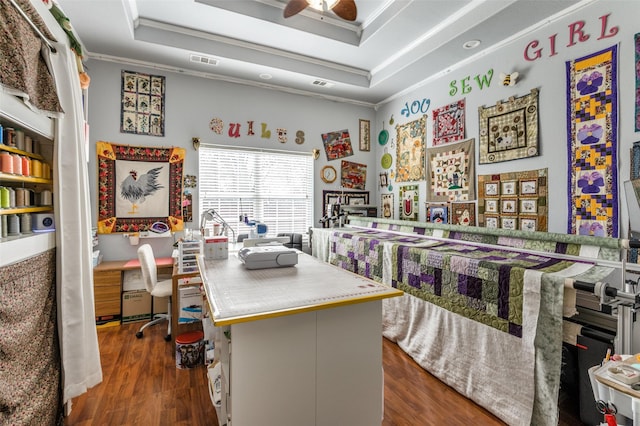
(471, 293)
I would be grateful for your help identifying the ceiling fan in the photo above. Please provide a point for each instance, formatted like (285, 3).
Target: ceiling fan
(345, 9)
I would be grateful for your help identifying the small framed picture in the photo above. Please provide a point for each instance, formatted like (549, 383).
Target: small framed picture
(463, 213)
(508, 205)
(491, 221)
(528, 186)
(528, 205)
(528, 224)
(491, 189)
(365, 135)
(439, 214)
(509, 187)
(508, 222)
(491, 206)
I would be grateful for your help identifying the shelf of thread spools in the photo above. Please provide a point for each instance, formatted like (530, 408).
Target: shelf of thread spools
(25, 190)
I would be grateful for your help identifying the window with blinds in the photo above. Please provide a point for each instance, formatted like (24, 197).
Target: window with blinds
(272, 187)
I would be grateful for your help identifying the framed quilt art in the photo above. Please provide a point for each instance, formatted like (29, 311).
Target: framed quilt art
(139, 188)
(451, 172)
(387, 205)
(337, 144)
(592, 144)
(409, 202)
(509, 130)
(353, 175)
(514, 200)
(463, 213)
(448, 123)
(410, 151)
(142, 104)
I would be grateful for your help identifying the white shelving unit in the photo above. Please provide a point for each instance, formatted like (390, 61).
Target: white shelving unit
(14, 113)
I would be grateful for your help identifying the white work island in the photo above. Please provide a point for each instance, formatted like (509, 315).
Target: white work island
(299, 345)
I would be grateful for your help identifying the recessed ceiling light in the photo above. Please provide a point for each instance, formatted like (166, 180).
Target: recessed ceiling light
(266, 76)
(471, 44)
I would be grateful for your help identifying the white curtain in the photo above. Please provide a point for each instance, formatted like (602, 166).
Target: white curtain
(80, 354)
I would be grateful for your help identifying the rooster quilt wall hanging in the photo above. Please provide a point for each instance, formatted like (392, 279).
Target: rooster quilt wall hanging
(139, 188)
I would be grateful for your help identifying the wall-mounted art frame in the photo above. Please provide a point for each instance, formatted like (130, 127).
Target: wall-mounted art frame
(410, 150)
(364, 135)
(353, 175)
(142, 104)
(409, 198)
(337, 144)
(448, 123)
(509, 222)
(528, 200)
(509, 130)
(438, 213)
(139, 188)
(386, 201)
(451, 171)
(463, 213)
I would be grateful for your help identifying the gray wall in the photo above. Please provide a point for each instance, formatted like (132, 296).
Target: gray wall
(191, 103)
(549, 75)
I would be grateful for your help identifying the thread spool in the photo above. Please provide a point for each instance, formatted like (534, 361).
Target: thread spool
(26, 169)
(25, 223)
(4, 230)
(13, 225)
(12, 198)
(1, 134)
(36, 146)
(6, 162)
(36, 168)
(4, 197)
(9, 136)
(46, 171)
(46, 198)
(20, 139)
(28, 144)
(17, 164)
(20, 193)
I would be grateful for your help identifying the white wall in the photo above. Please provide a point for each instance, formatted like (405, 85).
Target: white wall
(191, 103)
(549, 75)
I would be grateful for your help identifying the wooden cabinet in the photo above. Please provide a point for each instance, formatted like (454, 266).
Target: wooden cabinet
(107, 288)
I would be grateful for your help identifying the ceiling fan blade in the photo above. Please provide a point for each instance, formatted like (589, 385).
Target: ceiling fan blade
(346, 9)
(294, 7)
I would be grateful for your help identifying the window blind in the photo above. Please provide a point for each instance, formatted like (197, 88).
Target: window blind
(272, 187)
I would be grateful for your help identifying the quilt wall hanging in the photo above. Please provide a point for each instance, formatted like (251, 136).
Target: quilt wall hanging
(409, 198)
(637, 46)
(448, 123)
(353, 175)
(592, 136)
(451, 172)
(142, 105)
(410, 151)
(509, 130)
(514, 201)
(139, 188)
(337, 144)
(386, 201)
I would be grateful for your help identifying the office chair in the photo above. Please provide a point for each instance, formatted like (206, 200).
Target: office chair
(154, 287)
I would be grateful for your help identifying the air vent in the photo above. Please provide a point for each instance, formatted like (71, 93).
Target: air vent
(321, 83)
(204, 60)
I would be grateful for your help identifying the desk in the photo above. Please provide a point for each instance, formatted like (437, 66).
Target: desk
(107, 285)
(307, 343)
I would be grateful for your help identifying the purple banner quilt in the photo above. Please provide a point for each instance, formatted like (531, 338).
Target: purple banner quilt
(592, 134)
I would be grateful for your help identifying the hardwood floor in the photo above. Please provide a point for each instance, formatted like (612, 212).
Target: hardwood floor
(142, 386)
